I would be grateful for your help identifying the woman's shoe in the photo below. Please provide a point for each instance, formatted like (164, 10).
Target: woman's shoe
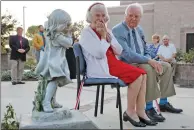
(148, 122)
(135, 123)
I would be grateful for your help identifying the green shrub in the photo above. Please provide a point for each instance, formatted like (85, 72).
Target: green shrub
(9, 121)
(30, 63)
(30, 75)
(179, 55)
(5, 75)
(189, 57)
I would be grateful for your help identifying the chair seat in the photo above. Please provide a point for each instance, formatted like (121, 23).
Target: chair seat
(104, 81)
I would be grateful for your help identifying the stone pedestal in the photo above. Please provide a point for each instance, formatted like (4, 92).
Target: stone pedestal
(59, 119)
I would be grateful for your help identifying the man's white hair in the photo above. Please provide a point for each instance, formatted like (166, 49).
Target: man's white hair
(95, 8)
(134, 5)
(165, 37)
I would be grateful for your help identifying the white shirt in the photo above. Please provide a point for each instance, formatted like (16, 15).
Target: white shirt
(167, 51)
(94, 51)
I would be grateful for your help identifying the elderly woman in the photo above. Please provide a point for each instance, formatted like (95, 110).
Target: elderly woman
(100, 49)
(153, 48)
(53, 64)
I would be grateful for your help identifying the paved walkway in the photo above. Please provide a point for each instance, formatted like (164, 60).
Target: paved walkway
(21, 97)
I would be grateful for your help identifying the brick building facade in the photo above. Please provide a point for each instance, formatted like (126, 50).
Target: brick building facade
(173, 17)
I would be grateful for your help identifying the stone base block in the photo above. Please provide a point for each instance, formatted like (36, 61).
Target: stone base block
(77, 120)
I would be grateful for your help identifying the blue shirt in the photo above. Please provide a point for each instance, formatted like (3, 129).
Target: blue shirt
(153, 51)
(41, 33)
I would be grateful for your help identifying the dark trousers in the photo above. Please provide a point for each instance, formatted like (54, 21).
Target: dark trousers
(71, 62)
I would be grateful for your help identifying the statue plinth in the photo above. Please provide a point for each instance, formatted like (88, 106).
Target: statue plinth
(60, 119)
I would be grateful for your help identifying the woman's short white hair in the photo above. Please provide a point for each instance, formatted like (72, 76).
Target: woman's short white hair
(134, 5)
(93, 8)
(165, 37)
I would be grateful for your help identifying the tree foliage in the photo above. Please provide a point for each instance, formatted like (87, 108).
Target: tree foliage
(8, 24)
(77, 28)
(31, 31)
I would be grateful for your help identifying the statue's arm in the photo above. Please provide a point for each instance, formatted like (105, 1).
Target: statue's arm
(65, 41)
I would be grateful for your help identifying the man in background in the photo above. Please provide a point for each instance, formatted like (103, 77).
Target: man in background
(39, 42)
(19, 47)
(167, 53)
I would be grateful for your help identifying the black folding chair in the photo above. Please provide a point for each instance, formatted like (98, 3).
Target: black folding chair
(115, 83)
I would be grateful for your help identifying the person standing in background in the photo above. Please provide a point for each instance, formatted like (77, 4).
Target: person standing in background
(19, 47)
(39, 42)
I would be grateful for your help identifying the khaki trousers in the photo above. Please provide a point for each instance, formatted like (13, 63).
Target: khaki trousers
(166, 85)
(17, 68)
(173, 65)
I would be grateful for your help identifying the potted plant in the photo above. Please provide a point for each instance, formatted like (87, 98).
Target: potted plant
(185, 69)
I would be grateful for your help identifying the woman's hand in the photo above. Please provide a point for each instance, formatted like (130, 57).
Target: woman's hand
(108, 37)
(101, 29)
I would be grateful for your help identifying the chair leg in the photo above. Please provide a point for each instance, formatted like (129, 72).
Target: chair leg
(102, 100)
(96, 104)
(78, 87)
(120, 107)
(117, 100)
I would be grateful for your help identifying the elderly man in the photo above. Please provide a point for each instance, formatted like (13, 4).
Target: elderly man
(130, 35)
(167, 53)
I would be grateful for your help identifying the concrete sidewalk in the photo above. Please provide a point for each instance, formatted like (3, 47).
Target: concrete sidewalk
(21, 97)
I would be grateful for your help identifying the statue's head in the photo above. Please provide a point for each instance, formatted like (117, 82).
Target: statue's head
(58, 21)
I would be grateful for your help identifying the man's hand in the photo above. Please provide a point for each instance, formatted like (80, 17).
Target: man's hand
(157, 66)
(169, 60)
(164, 59)
(21, 50)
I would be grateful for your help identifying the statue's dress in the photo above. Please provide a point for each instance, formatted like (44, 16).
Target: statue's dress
(53, 63)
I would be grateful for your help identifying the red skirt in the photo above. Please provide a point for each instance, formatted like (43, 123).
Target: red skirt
(122, 70)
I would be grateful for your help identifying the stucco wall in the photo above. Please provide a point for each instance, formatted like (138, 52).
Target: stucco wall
(174, 18)
(171, 16)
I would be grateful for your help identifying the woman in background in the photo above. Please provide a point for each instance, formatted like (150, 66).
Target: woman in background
(154, 47)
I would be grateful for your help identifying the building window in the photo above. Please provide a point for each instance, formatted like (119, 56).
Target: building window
(189, 41)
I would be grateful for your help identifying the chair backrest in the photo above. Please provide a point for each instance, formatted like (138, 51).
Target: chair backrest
(78, 54)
